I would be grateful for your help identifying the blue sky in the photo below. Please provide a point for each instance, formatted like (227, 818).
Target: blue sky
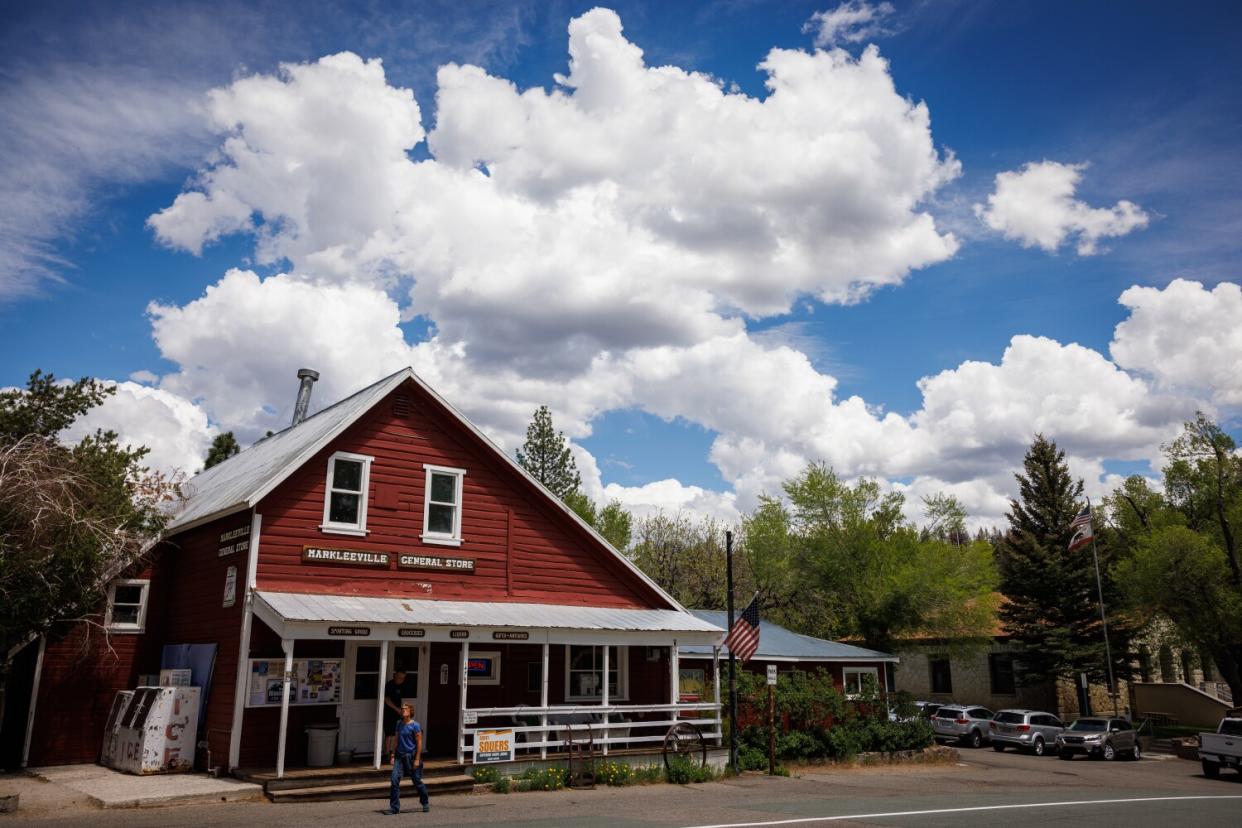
(108, 122)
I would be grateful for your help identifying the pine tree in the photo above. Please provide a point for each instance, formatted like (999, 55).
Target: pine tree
(222, 448)
(1051, 609)
(546, 455)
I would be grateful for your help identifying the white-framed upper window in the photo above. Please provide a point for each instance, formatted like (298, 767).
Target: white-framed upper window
(345, 498)
(127, 606)
(483, 667)
(442, 505)
(584, 671)
(855, 680)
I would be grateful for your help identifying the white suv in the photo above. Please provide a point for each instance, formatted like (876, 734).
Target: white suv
(966, 724)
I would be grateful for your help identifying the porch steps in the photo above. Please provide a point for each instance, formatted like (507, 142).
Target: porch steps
(436, 786)
(354, 782)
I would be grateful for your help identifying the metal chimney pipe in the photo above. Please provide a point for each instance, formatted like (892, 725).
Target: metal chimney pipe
(307, 378)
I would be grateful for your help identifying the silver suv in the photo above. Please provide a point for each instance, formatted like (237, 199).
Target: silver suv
(1108, 738)
(1026, 730)
(966, 724)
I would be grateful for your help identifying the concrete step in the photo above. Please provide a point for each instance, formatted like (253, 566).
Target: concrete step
(437, 786)
(354, 776)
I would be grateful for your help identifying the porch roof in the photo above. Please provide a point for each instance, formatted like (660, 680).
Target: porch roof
(302, 608)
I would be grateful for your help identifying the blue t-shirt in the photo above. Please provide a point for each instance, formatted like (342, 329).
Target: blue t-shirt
(406, 734)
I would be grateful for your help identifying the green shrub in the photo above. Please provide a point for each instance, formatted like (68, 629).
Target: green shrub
(681, 771)
(648, 775)
(614, 773)
(502, 784)
(485, 775)
(546, 779)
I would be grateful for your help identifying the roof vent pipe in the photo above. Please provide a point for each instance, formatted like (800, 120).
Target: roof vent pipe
(307, 377)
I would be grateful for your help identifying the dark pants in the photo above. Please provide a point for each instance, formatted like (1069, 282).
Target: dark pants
(404, 766)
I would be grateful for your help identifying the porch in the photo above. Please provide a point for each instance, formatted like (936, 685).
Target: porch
(525, 689)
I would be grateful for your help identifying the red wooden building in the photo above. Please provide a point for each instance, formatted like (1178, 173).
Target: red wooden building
(383, 532)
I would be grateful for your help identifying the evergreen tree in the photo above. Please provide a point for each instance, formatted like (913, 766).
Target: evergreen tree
(1052, 608)
(222, 448)
(546, 455)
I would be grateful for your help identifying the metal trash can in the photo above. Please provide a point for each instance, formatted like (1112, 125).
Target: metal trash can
(321, 744)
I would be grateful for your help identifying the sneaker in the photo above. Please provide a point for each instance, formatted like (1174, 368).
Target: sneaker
(389, 812)
(426, 809)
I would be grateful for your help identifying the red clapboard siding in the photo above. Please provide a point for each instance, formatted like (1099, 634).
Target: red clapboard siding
(525, 548)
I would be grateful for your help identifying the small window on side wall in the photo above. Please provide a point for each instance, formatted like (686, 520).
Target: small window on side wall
(860, 680)
(941, 674)
(345, 498)
(442, 505)
(127, 606)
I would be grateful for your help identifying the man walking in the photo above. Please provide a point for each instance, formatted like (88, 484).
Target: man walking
(394, 689)
(407, 760)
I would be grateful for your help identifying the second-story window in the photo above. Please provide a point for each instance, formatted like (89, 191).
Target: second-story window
(442, 505)
(345, 502)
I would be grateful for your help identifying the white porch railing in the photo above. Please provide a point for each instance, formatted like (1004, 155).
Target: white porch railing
(611, 726)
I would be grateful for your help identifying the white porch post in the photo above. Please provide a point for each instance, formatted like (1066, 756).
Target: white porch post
(716, 693)
(603, 696)
(379, 706)
(463, 677)
(674, 669)
(543, 702)
(286, 644)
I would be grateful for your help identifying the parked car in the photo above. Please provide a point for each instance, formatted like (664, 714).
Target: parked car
(966, 724)
(1224, 747)
(922, 711)
(1026, 730)
(1106, 738)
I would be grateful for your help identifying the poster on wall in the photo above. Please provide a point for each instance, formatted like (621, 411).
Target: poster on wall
(314, 681)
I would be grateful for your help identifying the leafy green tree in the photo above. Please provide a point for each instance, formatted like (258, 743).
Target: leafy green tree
(547, 457)
(222, 448)
(1052, 607)
(71, 517)
(612, 520)
(846, 563)
(686, 558)
(1183, 562)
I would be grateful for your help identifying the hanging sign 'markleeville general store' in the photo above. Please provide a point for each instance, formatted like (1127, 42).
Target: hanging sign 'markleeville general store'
(382, 560)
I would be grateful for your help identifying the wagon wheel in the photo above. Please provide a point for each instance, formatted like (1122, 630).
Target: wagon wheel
(684, 739)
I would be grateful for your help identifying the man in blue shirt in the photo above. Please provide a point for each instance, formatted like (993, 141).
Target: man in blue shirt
(408, 760)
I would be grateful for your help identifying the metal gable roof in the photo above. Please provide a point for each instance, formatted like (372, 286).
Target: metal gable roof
(347, 609)
(776, 642)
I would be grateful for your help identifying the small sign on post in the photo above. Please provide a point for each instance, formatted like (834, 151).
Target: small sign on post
(772, 675)
(771, 719)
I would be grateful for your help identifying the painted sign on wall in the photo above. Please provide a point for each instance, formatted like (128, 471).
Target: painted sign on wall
(436, 563)
(236, 540)
(344, 557)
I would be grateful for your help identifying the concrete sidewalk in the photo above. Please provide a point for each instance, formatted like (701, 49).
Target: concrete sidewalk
(106, 788)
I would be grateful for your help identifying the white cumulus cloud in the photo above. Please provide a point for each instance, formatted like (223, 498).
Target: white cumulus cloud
(1036, 206)
(1185, 336)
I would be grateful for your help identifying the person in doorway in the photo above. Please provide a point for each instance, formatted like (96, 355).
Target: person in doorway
(394, 690)
(407, 760)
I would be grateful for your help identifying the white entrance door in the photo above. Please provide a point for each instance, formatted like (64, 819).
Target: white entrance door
(363, 684)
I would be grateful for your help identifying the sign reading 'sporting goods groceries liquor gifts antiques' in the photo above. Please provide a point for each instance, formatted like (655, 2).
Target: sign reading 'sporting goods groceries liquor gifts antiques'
(494, 746)
(344, 557)
(435, 562)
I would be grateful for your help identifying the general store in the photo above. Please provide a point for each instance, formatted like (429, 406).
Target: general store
(383, 533)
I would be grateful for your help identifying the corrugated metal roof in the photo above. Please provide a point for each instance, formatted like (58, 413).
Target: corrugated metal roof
(239, 482)
(347, 609)
(777, 642)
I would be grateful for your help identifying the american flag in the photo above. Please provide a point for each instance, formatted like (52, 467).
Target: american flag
(1081, 526)
(743, 639)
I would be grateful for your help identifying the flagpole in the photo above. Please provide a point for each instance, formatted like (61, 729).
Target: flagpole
(1099, 586)
(732, 657)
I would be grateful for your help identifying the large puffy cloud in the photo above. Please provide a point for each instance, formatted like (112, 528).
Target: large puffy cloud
(1184, 336)
(1036, 206)
(597, 247)
(175, 430)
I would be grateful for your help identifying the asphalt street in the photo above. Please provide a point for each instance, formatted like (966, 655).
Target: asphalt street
(984, 788)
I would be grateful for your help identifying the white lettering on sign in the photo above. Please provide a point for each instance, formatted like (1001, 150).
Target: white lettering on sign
(435, 562)
(771, 674)
(352, 557)
(470, 717)
(230, 586)
(236, 540)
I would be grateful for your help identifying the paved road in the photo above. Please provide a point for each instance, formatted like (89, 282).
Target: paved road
(1003, 789)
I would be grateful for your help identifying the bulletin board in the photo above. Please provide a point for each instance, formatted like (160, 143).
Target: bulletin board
(314, 681)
